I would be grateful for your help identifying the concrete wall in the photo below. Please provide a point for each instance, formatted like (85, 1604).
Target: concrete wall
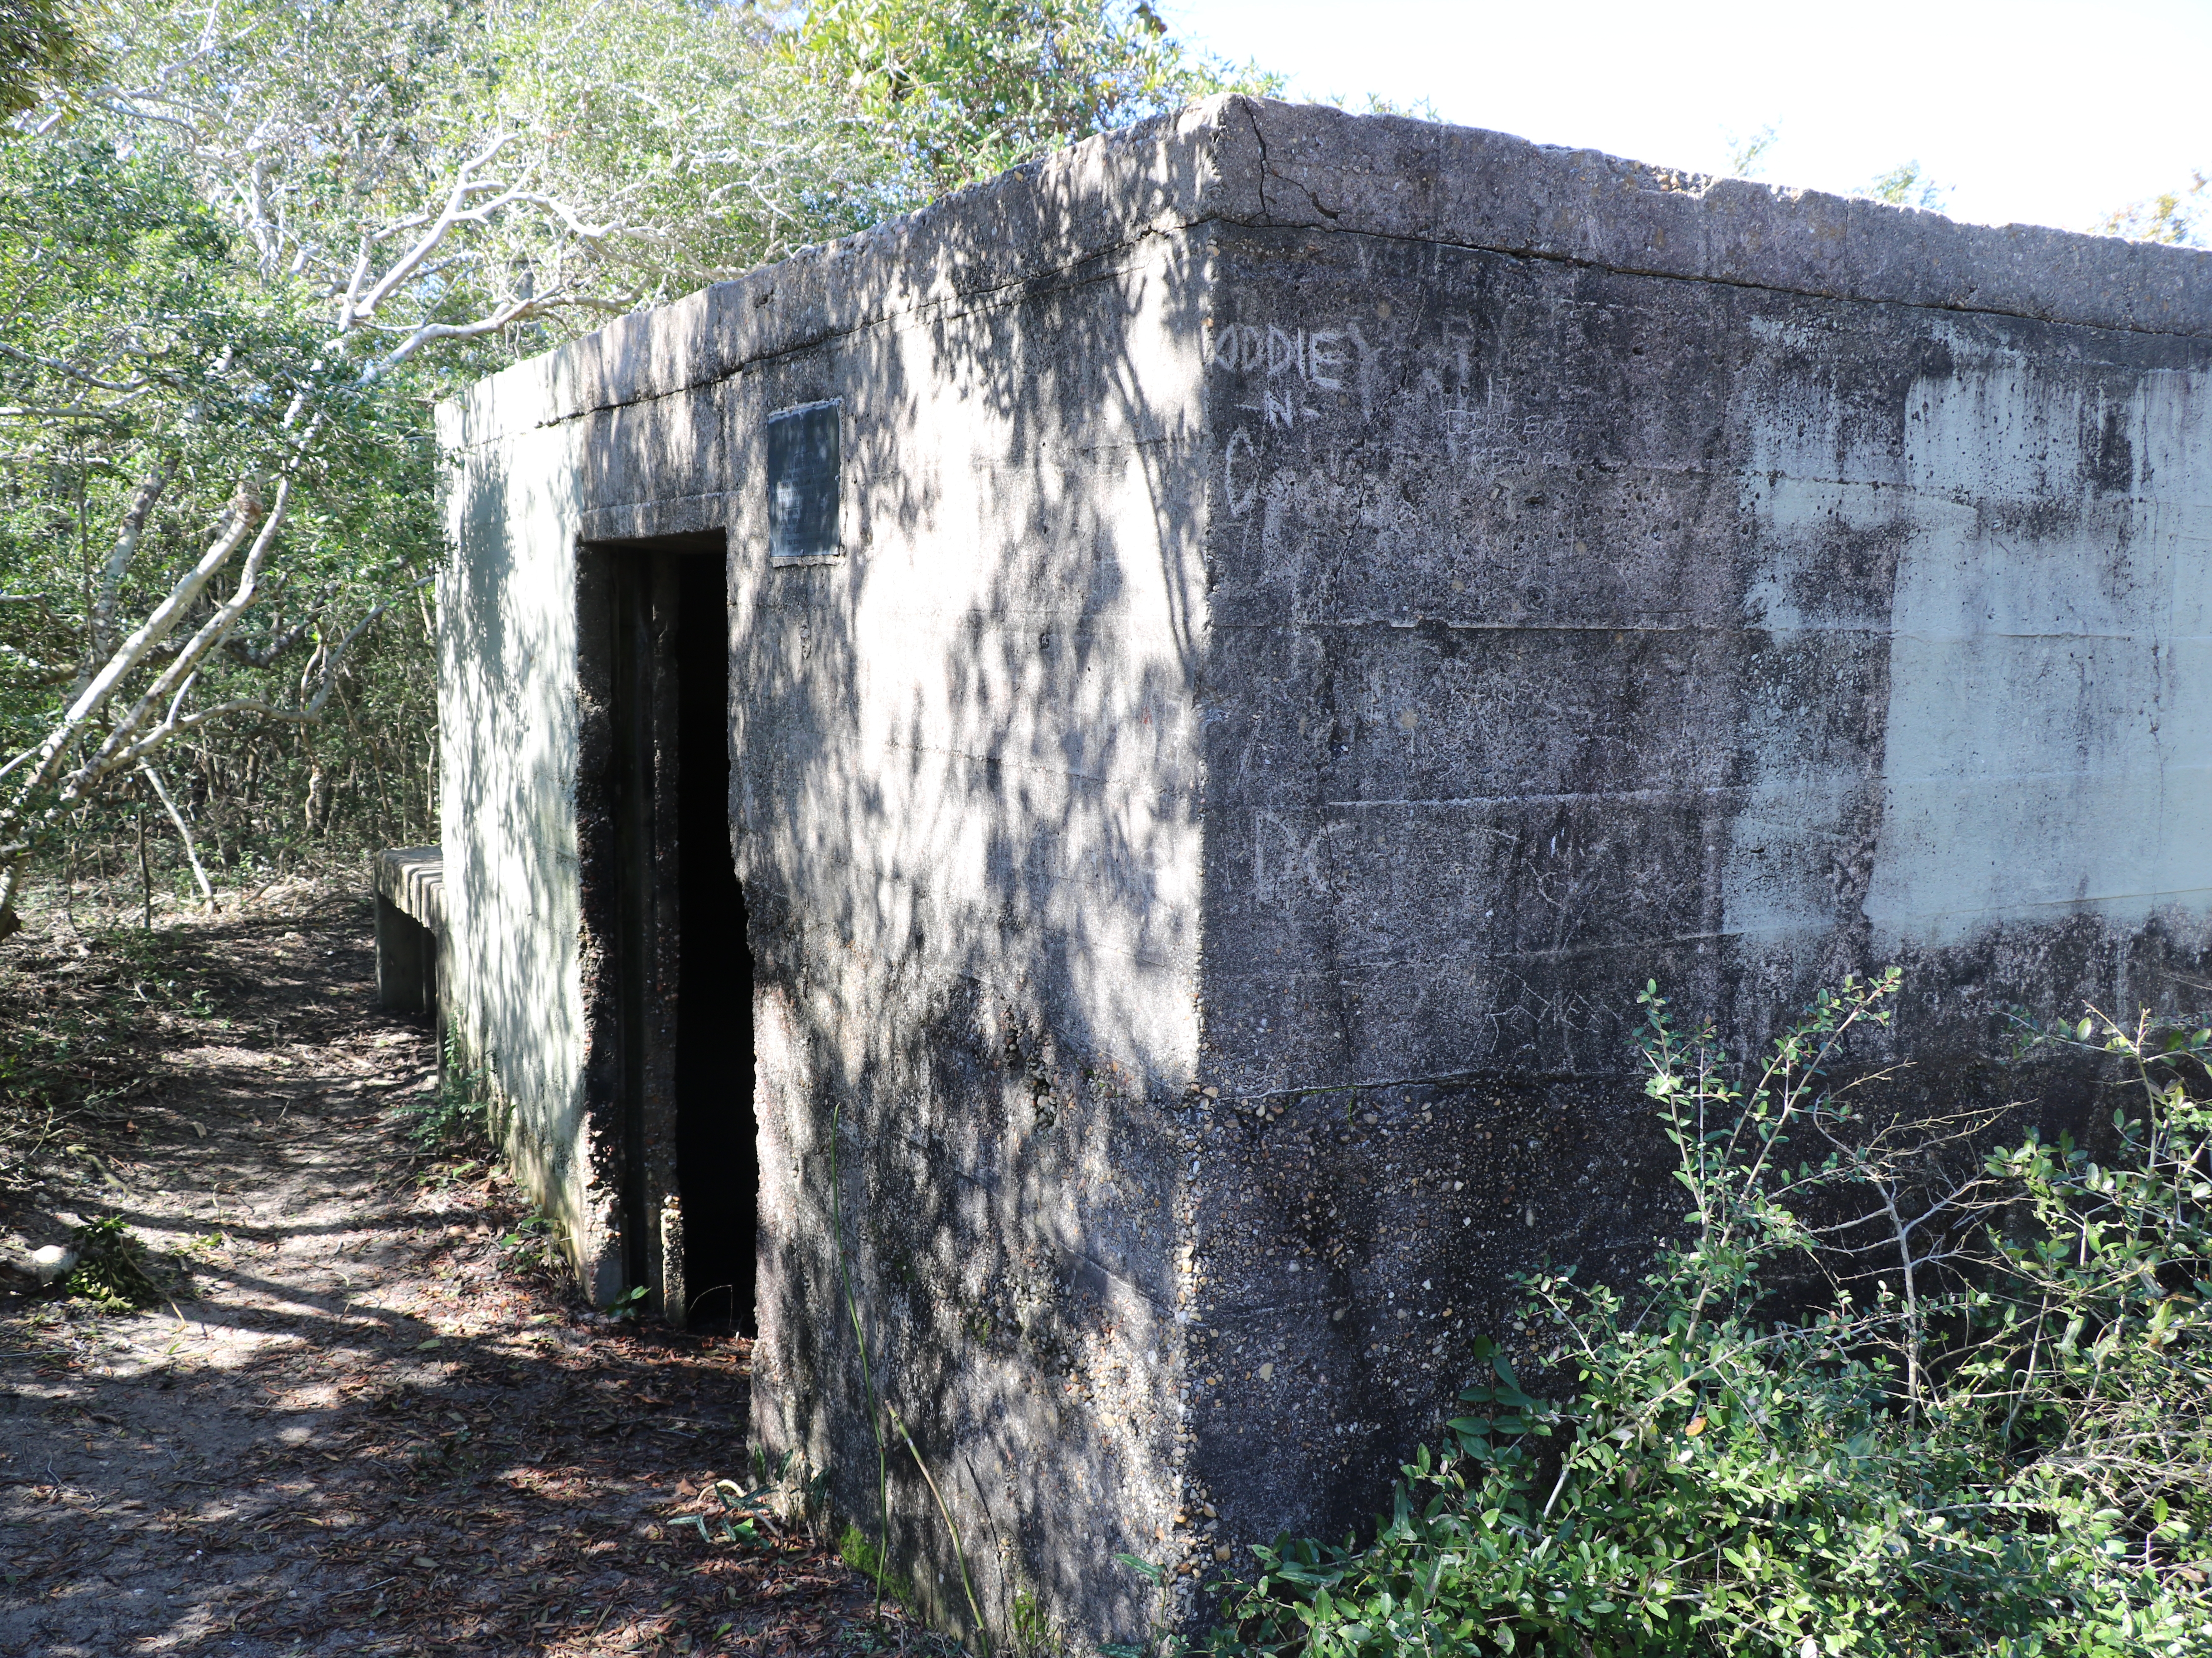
(1331, 606)
(1583, 628)
(965, 813)
(968, 826)
(508, 718)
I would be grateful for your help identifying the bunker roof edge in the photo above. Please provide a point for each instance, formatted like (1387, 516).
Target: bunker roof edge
(1261, 163)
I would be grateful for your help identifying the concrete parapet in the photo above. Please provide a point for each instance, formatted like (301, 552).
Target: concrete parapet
(1266, 165)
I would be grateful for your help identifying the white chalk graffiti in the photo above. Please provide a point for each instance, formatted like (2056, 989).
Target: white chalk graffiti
(1240, 500)
(1483, 426)
(1498, 437)
(1285, 863)
(1323, 358)
(1283, 411)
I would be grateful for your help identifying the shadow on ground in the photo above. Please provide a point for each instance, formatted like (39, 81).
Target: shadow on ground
(371, 1419)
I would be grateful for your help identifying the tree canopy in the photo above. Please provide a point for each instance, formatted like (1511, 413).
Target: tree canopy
(244, 243)
(44, 50)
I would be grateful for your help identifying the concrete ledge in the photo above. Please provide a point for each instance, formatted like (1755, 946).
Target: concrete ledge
(1259, 162)
(414, 879)
(643, 520)
(1309, 166)
(410, 927)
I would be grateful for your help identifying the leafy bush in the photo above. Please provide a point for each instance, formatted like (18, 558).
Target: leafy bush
(111, 1270)
(457, 1113)
(1894, 1392)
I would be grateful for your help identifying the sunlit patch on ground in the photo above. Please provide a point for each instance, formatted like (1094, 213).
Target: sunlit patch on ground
(361, 1422)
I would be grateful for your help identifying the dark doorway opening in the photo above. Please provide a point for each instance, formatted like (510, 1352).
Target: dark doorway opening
(716, 1153)
(675, 978)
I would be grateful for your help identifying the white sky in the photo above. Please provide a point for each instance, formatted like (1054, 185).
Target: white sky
(2056, 113)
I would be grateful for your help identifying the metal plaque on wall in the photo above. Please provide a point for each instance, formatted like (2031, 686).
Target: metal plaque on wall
(802, 483)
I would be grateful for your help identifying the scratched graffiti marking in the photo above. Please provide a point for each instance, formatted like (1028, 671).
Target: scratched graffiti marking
(1279, 367)
(1325, 358)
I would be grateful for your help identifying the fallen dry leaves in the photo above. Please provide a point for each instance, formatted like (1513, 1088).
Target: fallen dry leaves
(369, 1422)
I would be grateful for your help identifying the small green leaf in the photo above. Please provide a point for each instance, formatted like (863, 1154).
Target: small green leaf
(1143, 1568)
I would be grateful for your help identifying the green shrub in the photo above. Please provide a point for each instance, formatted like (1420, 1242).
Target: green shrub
(1893, 1392)
(111, 1270)
(532, 1246)
(457, 1113)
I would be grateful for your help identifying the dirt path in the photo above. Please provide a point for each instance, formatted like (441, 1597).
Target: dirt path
(369, 1423)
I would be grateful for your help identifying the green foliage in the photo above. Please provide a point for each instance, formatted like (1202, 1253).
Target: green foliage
(1747, 156)
(744, 1513)
(43, 49)
(457, 1113)
(625, 154)
(1907, 185)
(1032, 1627)
(141, 363)
(1990, 1432)
(969, 88)
(620, 155)
(532, 1246)
(111, 1270)
(2176, 216)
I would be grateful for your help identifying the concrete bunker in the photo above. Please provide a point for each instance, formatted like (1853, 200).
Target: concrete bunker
(1315, 611)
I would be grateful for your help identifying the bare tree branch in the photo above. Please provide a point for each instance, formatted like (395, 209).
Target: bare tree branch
(100, 644)
(184, 833)
(49, 758)
(75, 372)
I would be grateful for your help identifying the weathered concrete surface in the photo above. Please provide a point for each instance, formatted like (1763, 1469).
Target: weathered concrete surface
(1595, 627)
(410, 885)
(1330, 606)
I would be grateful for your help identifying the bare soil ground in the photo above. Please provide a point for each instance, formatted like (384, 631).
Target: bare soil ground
(368, 1417)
